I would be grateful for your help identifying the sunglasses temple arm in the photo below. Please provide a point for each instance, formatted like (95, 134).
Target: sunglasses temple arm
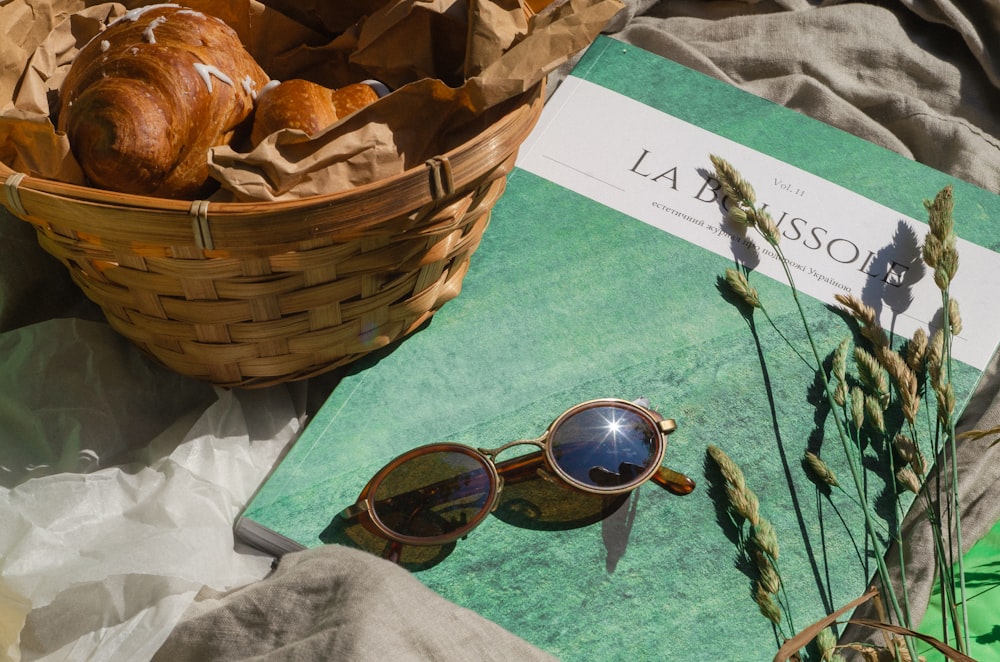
(673, 481)
(393, 552)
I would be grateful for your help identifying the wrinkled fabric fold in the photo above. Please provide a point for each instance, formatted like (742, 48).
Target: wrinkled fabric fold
(337, 603)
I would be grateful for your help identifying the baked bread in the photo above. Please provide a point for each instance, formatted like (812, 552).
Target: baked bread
(145, 100)
(306, 106)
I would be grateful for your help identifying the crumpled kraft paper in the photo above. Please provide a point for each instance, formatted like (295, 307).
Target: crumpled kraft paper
(463, 57)
(380, 141)
(44, 38)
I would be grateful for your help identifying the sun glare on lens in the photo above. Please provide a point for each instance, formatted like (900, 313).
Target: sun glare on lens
(612, 424)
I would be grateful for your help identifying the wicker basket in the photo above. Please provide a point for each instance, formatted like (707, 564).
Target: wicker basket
(254, 294)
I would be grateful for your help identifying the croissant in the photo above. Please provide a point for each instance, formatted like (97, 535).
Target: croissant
(145, 100)
(307, 106)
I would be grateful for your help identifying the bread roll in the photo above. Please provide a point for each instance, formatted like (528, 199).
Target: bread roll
(306, 106)
(146, 99)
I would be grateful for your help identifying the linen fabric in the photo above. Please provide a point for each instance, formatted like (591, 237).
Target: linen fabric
(919, 77)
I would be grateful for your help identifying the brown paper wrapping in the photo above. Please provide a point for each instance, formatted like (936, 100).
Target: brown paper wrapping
(450, 62)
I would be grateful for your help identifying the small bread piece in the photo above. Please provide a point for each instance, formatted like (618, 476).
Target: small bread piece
(306, 106)
(353, 97)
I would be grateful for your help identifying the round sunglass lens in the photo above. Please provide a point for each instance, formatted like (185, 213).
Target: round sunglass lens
(605, 447)
(435, 495)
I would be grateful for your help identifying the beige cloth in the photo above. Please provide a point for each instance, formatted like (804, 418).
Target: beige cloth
(919, 77)
(337, 603)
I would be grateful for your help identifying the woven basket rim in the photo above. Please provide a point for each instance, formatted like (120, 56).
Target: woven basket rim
(185, 222)
(249, 294)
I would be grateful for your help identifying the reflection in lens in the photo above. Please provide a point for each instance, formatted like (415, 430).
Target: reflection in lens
(432, 494)
(352, 533)
(605, 446)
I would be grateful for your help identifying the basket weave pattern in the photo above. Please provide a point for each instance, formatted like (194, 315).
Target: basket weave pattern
(254, 294)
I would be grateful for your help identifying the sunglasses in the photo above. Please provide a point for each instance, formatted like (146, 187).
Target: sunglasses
(436, 494)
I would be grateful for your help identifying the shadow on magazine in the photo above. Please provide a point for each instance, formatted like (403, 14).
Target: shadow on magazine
(893, 271)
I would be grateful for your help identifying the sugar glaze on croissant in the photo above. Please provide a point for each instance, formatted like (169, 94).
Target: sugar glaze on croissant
(145, 100)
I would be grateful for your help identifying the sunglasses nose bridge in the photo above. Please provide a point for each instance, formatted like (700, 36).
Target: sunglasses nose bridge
(492, 453)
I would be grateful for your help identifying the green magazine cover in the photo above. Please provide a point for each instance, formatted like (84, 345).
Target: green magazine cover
(600, 276)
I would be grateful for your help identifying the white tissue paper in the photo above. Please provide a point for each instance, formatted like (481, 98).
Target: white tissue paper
(119, 486)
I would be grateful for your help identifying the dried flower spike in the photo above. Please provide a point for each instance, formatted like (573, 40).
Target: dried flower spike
(935, 358)
(826, 644)
(865, 315)
(906, 383)
(908, 479)
(762, 220)
(857, 406)
(916, 350)
(744, 503)
(872, 375)
(820, 469)
(905, 447)
(739, 284)
(767, 574)
(939, 251)
(940, 214)
(840, 393)
(945, 270)
(839, 364)
(737, 215)
(954, 317)
(733, 185)
(730, 471)
(741, 201)
(945, 402)
(932, 250)
(838, 370)
(768, 605)
(873, 410)
(765, 538)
